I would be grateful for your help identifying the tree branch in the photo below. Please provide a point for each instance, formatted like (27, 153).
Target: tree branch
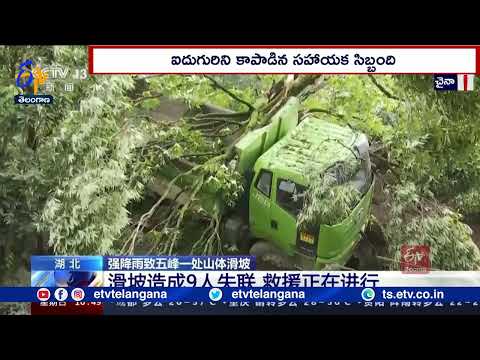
(280, 92)
(383, 89)
(222, 115)
(201, 154)
(146, 216)
(217, 85)
(329, 112)
(212, 122)
(325, 111)
(143, 98)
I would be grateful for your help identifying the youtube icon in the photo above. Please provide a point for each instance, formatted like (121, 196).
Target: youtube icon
(43, 294)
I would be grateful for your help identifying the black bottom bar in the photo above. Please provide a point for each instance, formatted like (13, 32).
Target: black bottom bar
(286, 309)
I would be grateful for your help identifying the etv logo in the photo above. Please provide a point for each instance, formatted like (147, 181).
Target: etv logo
(29, 79)
(415, 259)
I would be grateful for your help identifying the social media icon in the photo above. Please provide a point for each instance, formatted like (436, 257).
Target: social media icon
(215, 294)
(78, 294)
(61, 294)
(368, 294)
(43, 294)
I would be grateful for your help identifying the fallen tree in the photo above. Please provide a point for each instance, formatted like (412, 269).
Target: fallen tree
(391, 160)
(212, 168)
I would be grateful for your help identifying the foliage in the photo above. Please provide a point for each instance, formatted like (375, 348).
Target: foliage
(75, 174)
(430, 138)
(468, 202)
(355, 101)
(224, 180)
(197, 90)
(89, 188)
(451, 246)
(329, 198)
(162, 144)
(66, 163)
(429, 150)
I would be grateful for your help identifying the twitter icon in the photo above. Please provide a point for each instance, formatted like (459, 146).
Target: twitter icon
(215, 294)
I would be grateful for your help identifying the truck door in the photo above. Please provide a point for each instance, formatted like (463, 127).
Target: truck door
(259, 204)
(288, 202)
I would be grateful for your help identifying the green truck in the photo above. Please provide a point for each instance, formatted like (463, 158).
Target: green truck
(273, 161)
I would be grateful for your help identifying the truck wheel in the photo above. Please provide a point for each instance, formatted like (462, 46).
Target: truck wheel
(234, 233)
(269, 257)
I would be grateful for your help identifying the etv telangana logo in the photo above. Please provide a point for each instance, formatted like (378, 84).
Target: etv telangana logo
(415, 259)
(29, 79)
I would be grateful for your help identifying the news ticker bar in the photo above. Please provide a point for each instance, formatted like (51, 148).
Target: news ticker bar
(142, 263)
(48, 271)
(247, 294)
(284, 59)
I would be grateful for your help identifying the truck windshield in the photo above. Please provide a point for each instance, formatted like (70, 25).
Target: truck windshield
(363, 178)
(290, 196)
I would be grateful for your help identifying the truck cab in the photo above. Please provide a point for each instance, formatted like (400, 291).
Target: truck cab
(286, 149)
(274, 161)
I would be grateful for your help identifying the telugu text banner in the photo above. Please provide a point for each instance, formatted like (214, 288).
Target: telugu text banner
(282, 60)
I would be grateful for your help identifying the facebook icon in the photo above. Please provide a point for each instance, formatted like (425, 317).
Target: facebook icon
(61, 294)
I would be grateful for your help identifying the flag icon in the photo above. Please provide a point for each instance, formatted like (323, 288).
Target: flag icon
(465, 82)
